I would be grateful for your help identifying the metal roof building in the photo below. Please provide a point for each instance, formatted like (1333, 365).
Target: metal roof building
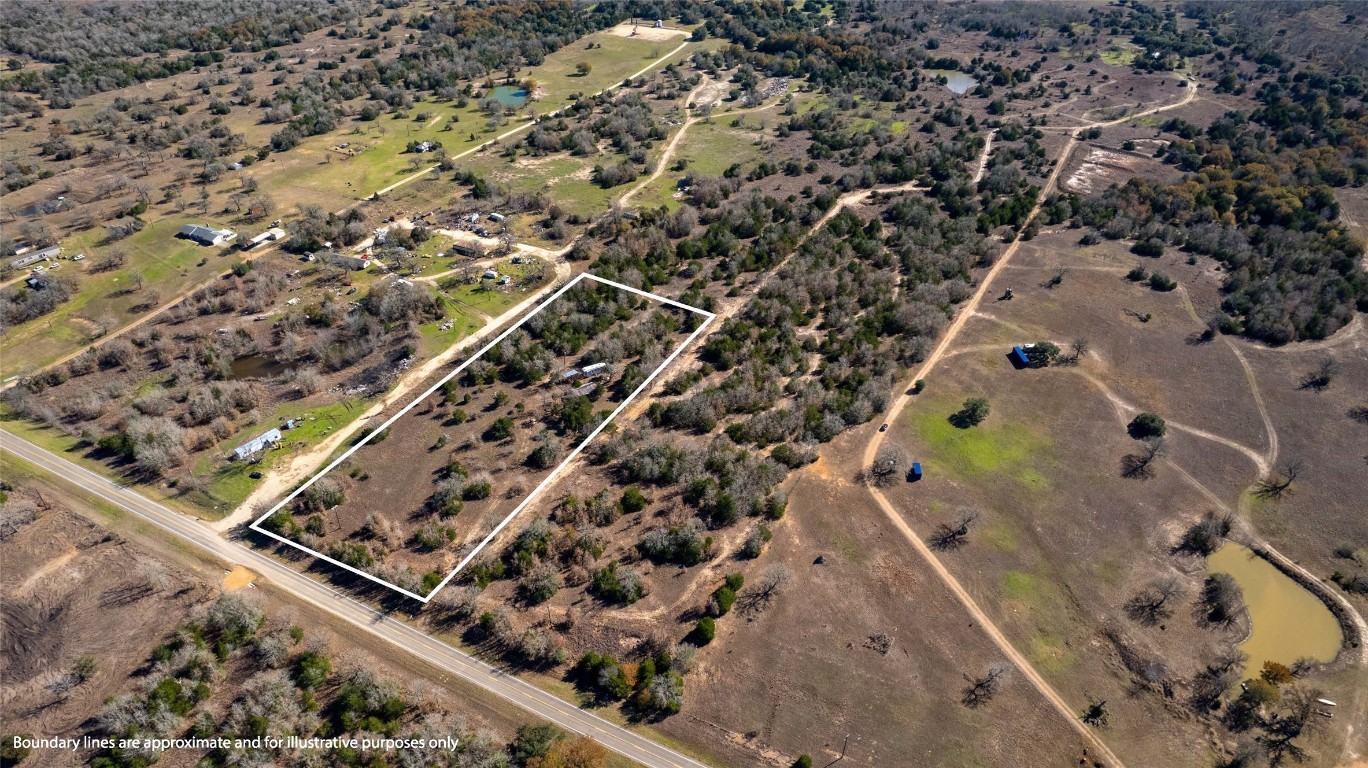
(257, 444)
(206, 235)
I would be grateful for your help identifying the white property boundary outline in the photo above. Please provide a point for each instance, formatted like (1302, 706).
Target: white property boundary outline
(708, 318)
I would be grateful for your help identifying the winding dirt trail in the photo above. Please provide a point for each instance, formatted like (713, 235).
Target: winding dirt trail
(528, 124)
(967, 311)
(668, 155)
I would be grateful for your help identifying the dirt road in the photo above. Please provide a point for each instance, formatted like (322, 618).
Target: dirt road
(947, 338)
(519, 129)
(278, 482)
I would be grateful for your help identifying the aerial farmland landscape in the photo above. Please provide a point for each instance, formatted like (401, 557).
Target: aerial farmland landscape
(682, 383)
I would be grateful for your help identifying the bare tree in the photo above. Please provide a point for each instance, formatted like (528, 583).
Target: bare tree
(1295, 717)
(1278, 485)
(771, 582)
(887, 465)
(458, 601)
(983, 688)
(1205, 535)
(1155, 602)
(954, 535)
(1319, 379)
(1056, 279)
(154, 574)
(1217, 678)
(1139, 466)
(1096, 714)
(1078, 349)
(1223, 598)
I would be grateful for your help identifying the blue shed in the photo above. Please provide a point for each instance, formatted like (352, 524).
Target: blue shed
(1019, 358)
(916, 472)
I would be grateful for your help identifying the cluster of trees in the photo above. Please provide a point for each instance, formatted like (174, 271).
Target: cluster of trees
(1260, 198)
(450, 49)
(20, 303)
(198, 406)
(233, 673)
(653, 687)
(626, 122)
(108, 47)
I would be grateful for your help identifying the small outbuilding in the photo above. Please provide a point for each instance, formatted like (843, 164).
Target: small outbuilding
(1019, 358)
(915, 473)
(274, 233)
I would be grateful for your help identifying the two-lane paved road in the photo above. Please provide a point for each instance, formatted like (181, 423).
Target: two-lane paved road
(363, 617)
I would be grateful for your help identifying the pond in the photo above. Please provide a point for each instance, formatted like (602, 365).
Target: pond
(1287, 621)
(958, 82)
(254, 367)
(510, 95)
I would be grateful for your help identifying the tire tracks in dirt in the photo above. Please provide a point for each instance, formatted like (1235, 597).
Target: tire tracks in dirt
(903, 399)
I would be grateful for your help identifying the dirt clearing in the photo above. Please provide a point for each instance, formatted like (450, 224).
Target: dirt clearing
(647, 31)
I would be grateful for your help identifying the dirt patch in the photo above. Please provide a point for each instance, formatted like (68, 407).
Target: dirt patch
(647, 31)
(48, 569)
(238, 578)
(69, 589)
(1102, 167)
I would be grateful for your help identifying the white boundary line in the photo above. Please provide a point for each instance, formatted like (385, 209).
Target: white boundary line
(256, 524)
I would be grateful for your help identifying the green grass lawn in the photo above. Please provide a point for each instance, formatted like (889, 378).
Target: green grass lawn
(485, 297)
(612, 59)
(435, 340)
(708, 149)
(168, 264)
(564, 179)
(1004, 449)
(1119, 58)
(313, 172)
(230, 482)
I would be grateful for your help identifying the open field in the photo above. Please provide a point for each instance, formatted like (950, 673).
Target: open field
(862, 646)
(1062, 540)
(107, 299)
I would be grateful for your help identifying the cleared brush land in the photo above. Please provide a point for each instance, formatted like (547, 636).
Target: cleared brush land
(410, 501)
(106, 640)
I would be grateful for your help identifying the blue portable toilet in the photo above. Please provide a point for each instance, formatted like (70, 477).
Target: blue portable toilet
(1019, 358)
(916, 472)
